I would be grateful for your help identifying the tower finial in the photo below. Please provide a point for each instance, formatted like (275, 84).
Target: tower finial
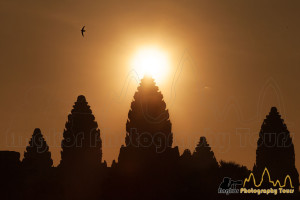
(81, 98)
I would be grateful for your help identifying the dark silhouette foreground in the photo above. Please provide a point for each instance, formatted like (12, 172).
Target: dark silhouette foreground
(148, 167)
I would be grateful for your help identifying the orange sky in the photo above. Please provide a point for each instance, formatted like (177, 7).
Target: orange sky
(230, 62)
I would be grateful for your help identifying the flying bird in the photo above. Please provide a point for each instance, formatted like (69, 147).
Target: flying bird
(82, 31)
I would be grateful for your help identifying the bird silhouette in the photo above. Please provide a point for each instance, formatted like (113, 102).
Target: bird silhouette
(82, 31)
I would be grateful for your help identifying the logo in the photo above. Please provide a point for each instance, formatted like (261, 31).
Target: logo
(251, 186)
(228, 186)
(267, 186)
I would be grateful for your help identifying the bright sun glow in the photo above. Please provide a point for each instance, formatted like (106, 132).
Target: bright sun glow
(151, 62)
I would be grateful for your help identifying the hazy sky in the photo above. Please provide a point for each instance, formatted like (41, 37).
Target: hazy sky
(230, 62)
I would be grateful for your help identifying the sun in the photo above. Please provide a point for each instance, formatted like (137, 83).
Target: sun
(151, 62)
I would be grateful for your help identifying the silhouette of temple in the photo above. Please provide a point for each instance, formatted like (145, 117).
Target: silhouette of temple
(148, 167)
(149, 134)
(202, 153)
(148, 124)
(81, 146)
(275, 150)
(10, 175)
(9, 159)
(37, 155)
(148, 157)
(81, 167)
